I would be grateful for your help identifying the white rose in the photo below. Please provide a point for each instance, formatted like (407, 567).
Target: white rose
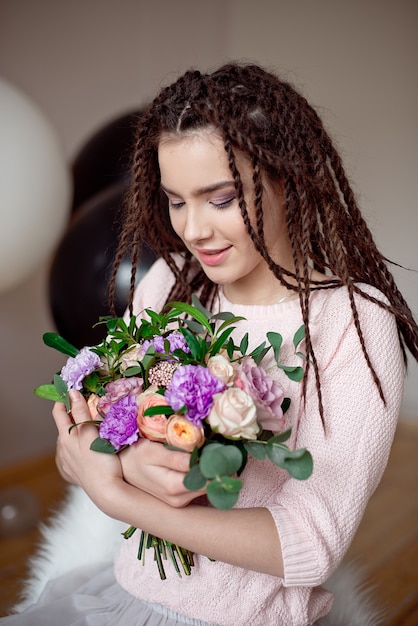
(234, 415)
(130, 357)
(222, 368)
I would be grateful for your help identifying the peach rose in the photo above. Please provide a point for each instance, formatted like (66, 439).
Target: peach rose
(182, 433)
(151, 427)
(234, 414)
(92, 406)
(221, 367)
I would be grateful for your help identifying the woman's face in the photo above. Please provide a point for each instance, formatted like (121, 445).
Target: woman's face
(204, 212)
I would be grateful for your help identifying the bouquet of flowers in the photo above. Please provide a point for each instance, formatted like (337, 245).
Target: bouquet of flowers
(178, 378)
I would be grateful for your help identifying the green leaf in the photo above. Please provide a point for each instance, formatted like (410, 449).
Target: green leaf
(223, 494)
(276, 341)
(196, 345)
(230, 320)
(293, 372)
(230, 348)
(53, 340)
(243, 346)
(220, 341)
(195, 327)
(257, 450)
(284, 436)
(48, 392)
(199, 306)
(285, 405)
(194, 479)
(218, 460)
(102, 445)
(260, 352)
(134, 370)
(159, 410)
(298, 463)
(62, 389)
(299, 336)
(183, 307)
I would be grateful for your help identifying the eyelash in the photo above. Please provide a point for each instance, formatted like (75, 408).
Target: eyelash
(224, 204)
(221, 205)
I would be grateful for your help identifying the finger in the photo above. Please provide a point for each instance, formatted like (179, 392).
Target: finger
(62, 419)
(159, 455)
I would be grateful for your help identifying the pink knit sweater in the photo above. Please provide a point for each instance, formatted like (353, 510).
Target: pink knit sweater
(316, 519)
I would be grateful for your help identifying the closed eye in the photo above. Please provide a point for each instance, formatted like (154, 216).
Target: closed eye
(223, 204)
(175, 205)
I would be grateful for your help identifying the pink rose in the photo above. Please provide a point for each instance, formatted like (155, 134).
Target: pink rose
(221, 367)
(266, 393)
(151, 427)
(118, 389)
(234, 414)
(182, 433)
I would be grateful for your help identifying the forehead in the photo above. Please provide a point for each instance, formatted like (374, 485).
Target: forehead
(197, 156)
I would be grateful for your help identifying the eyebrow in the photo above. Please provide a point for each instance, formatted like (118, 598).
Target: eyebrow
(203, 190)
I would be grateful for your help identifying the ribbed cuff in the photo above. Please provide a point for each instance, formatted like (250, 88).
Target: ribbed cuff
(299, 556)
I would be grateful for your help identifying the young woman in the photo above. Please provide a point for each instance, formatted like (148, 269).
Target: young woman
(238, 188)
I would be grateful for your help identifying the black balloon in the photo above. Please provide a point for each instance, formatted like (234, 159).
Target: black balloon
(104, 158)
(81, 268)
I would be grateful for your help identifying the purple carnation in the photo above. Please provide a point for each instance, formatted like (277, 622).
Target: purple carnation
(120, 426)
(193, 386)
(78, 367)
(176, 341)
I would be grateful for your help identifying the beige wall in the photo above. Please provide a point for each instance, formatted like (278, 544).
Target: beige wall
(87, 61)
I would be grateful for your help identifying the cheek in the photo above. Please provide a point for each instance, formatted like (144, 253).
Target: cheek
(176, 222)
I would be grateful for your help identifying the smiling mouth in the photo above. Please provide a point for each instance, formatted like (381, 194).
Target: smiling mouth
(213, 257)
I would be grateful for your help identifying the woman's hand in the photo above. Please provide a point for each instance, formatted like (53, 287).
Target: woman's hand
(75, 461)
(152, 467)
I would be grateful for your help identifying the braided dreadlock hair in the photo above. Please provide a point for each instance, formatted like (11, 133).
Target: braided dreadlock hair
(283, 138)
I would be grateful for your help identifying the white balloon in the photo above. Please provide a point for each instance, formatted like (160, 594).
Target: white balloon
(35, 187)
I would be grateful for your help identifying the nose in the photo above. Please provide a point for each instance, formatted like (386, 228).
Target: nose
(197, 226)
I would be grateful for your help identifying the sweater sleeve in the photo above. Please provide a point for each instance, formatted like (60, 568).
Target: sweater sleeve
(317, 518)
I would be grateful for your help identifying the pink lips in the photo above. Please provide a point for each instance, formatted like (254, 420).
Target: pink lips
(213, 257)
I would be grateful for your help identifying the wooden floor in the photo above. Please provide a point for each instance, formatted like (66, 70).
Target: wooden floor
(386, 543)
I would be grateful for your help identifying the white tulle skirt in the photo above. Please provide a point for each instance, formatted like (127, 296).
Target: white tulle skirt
(91, 597)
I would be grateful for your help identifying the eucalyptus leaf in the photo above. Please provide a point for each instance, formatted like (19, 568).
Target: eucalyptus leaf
(300, 466)
(295, 373)
(257, 450)
(276, 341)
(224, 494)
(281, 437)
(194, 479)
(298, 463)
(299, 336)
(219, 460)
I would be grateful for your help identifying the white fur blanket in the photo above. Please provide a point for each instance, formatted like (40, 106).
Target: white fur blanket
(61, 549)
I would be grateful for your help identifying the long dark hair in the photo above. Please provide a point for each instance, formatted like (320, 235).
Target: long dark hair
(264, 118)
